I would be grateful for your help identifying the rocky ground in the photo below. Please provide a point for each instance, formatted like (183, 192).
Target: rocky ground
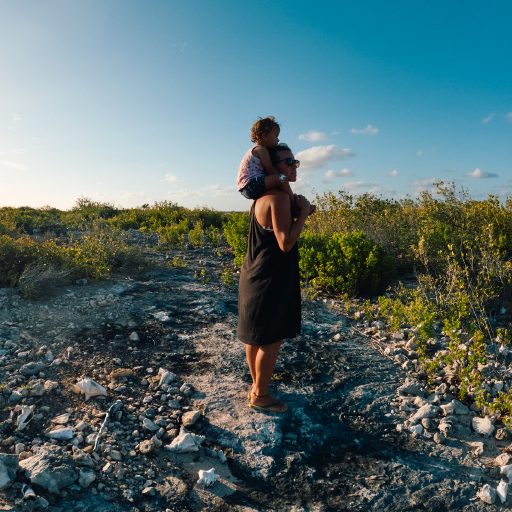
(361, 434)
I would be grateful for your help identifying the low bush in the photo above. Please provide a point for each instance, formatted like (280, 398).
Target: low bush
(345, 263)
(236, 232)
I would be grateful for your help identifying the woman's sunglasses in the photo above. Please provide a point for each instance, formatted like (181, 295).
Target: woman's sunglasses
(291, 161)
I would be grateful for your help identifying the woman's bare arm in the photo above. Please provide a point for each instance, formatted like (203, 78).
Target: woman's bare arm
(287, 230)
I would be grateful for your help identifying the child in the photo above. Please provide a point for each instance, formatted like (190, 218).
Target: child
(256, 173)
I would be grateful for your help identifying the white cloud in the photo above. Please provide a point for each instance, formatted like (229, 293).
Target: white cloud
(362, 186)
(425, 185)
(171, 178)
(303, 186)
(316, 156)
(344, 173)
(312, 136)
(508, 117)
(419, 152)
(369, 130)
(17, 166)
(393, 172)
(16, 118)
(479, 174)
(488, 119)
(202, 196)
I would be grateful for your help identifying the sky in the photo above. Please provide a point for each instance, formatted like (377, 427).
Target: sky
(131, 102)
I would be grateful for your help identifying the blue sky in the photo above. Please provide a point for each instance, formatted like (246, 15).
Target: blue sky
(131, 102)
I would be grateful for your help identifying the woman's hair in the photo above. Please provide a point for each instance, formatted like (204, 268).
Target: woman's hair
(274, 152)
(263, 126)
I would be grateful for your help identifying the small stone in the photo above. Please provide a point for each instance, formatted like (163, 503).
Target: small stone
(149, 425)
(487, 494)
(149, 491)
(502, 491)
(428, 423)
(439, 438)
(477, 448)
(189, 418)
(502, 434)
(134, 336)
(503, 459)
(416, 429)
(86, 477)
(8, 468)
(19, 448)
(145, 447)
(482, 426)
(427, 411)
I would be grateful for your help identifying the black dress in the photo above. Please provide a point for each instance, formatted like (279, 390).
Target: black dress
(269, 307)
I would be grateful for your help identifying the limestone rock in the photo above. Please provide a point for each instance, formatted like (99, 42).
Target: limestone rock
(427, 411)
(483, 426)
(8, 468)
(190, 417)
(487, 494)
(503, 459)
(502, 491)
(86, 477)
(411, 387)
(51, 468)
(186, 442)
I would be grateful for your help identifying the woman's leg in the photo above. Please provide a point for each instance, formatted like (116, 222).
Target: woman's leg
(250, 354)
(261, 360)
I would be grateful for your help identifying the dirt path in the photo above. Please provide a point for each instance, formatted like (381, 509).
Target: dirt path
(337, 448)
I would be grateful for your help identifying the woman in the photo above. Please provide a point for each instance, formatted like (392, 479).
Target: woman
(269, 293)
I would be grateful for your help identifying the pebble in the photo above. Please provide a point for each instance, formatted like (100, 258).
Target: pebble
(487, 494)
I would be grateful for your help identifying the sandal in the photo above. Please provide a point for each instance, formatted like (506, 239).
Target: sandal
(274, 406)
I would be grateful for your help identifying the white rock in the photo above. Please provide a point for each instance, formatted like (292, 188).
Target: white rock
(185, 442)
(134, 336)
(507, 471)
(165, 377)
(416, 429)
(62, 434)
(26, 415)
(207, 476)
(448, 409)
(445, 426)
(502, 491)
(487, 494)
(477, 448)
(50, 385)
(89, 388)
(483, 426)
(62, 419)
(162, 316)
(427, 411)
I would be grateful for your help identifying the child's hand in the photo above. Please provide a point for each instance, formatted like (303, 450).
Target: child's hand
(303, 204)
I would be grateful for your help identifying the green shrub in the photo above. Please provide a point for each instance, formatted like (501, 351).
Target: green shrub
(236, 232)
(345, 263)
(196, 236)
(174, 235)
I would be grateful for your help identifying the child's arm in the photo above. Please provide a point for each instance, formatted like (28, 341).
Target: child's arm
(272, 180)
(262, 153)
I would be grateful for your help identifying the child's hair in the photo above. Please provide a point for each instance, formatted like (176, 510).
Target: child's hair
(263, 126)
